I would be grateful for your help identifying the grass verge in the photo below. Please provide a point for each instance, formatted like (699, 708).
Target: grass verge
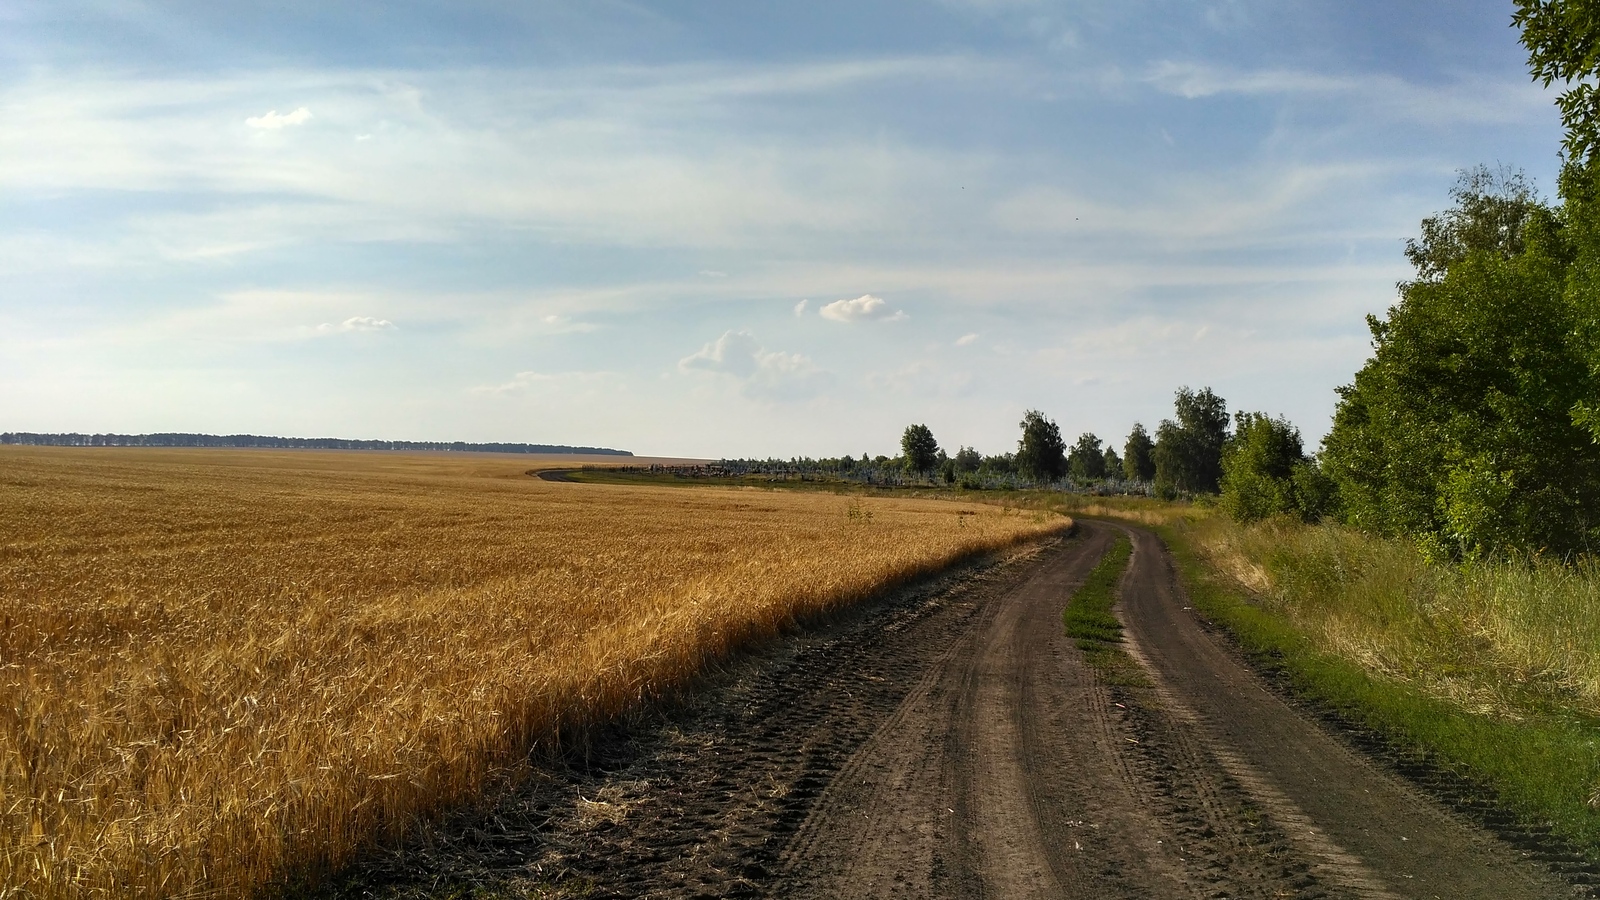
(1094, 627)
(1543, 765)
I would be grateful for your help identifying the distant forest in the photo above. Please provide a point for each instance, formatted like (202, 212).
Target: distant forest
(284, 443)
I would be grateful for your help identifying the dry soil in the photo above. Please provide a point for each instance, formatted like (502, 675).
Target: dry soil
(950, 741)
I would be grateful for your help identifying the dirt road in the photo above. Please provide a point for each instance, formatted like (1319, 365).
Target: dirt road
(951, 742)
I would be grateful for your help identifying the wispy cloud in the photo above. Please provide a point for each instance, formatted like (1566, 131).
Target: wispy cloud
(550, 382)
(863, 308)
(357, 323)
(966, 340)
(272, 121)
(1462, 100)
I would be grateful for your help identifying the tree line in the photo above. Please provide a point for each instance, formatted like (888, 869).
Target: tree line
(181, 439)
(1474, 427)
(1183, 458)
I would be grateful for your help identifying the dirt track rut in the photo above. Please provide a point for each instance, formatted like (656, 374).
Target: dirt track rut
(951, 742)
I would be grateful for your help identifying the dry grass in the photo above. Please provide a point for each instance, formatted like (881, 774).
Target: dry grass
(219, 669)
(1497, 638)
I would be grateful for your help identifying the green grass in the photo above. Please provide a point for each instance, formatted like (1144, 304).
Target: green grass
(1341, 646)
(1093, 626)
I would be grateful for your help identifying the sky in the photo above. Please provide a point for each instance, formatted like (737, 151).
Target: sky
(720, 229)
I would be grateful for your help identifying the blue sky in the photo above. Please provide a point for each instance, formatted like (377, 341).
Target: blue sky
(719, 229)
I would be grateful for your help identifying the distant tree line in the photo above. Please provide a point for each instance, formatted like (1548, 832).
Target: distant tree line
(283, 443)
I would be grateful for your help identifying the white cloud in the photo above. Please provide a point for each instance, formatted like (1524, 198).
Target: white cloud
(357, 323)
(1473, 100)
(800, 308)
(734, 353)
(863, 308)
(558, 382)
(713, 273)
(967, 340)
(763, 374)
(272, 121)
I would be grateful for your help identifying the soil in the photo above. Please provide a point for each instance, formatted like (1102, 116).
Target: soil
(951, 741)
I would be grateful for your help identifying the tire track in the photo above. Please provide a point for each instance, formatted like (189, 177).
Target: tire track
(1368, 833)
(951, 741)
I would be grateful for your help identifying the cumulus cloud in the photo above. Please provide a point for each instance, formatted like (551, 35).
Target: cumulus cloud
(734, 353)
(863, 308)
(763, 374)
(800, 308)
(967, 339)
(357, 323)
(273, 121)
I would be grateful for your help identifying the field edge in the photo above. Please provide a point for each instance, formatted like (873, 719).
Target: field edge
(1513, 778)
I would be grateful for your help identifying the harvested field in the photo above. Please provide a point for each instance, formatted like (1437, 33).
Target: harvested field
(221, 669)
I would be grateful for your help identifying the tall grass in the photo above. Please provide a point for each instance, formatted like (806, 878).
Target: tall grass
(1499, 638)
(1487, 669)
(219, 670)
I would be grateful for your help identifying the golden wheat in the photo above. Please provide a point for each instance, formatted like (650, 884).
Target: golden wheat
(219, 669)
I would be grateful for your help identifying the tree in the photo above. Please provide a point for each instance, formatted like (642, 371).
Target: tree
(967, 460)
(1265, 472)
(1465, 427)
(1138, 459)
(1188, 451)
(920, 450)
(1086, 462)
(1113, 463)
(1492, 208)
(1041, 454)
(1563, 41)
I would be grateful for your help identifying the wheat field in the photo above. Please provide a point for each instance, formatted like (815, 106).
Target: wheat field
(224, 669)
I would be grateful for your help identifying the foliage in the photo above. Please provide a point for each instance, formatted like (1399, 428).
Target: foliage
(999, 464)
(1492, 206)
(1266, 473)
(1113, 463)
(1459, 430)
(1188, 450)
(1086, 462)
(1041, 453)
(967, 460)
(920, 450)
(1138, 455)
(1563, 41)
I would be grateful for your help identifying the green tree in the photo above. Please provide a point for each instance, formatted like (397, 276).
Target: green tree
(1188, 450)
(920, 450)
(1460, 429)
(1041, 454)
(1265, 472)
(1138, 455)
(1563, 41)
(1113, 463)
(968, 460)
(1086, 462)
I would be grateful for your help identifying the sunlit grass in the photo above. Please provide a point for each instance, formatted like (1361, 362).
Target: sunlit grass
(1497, 637)
(1487, 669)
